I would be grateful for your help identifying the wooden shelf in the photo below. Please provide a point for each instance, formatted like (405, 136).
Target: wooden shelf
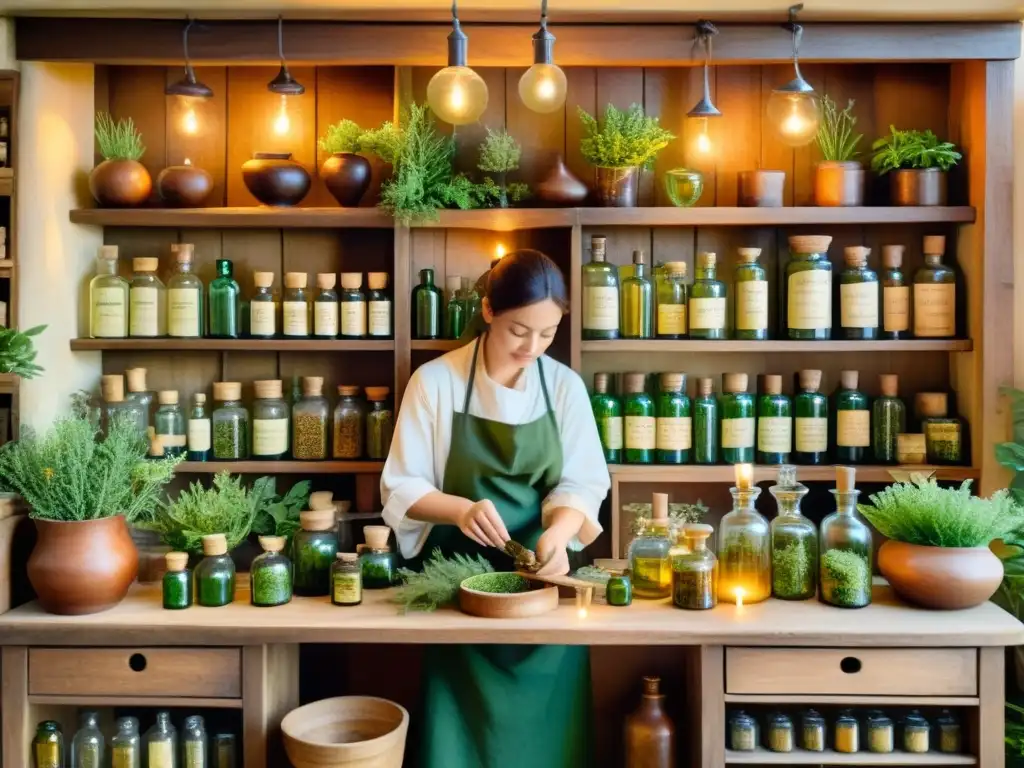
(778, 700)
(232, 345)
(503, 219)
(8, 383)
(760, 347)
(249, 218)
(135, 701)
(765, 217)
(6, 265)
(282, 467)
(828, 757)
(724, 473)
(436, 345)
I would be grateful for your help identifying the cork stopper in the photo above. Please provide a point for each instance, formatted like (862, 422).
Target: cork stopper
(136, 379)
(889, 383)
(809, 243)
(325, 281)
(377, 394)
(892, 256)
(156, 444)
(312, 386)
(677, 268)
(638, 257)
(263, 279)
(452, 284)
(846, 479)
(184, 253)
(744, 476)
(112, 387)
(634, 383)
(601, 383)
(772, 384)
(597, 245)
(377, 281)
(651, 687)
(810, 380)
(856, 255)
(295, 279)
(145, 264)
(176, 561)
(227, 390)
(698, 531)
(108, 252)
(748, 255)
(705, 386)
(351, 281)
(167, 397)
(707, 260)
(659, 507)
(672, 382)
(849, 379)
(348, 557)
(321, 500)
(934, 245)
(271, 389)
(348, 390)
(376, 536)
(317, 519)
(200, 398)
(931, 405)
(215, 544)
(734, 382)
(272, 543)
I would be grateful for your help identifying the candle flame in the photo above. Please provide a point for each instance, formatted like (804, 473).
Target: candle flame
(738, 592)
(744, 476)
(499, 251)
(582, 613)
(188, 162)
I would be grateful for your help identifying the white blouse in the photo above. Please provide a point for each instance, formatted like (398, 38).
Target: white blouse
(423, 436)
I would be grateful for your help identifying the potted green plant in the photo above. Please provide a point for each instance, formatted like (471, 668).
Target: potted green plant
(499, 154)
(18, 352)
(918, 162)
(619, 146)
(346, 174)
(839, 177)
(937, 554)
(120, 181)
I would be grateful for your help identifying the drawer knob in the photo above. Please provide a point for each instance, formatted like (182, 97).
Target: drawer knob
(137, 662)
(850, 665)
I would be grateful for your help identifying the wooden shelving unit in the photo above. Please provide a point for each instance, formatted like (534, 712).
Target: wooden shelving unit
(236, 217)
(829, 757)
(720, 473)
(232, 345)
(622, 346)
(281, 467)
(434, 345)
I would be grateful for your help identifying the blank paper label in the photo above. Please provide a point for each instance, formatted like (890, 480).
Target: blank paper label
(295, 318)
(143, 312)
(353, 318)
(109, 314)
(896, 308)
(707, 314)
(752, 305)
(199, 434)
(811, 434)
(262, 315)
(934, 310)
(325, 318)
(611, 432)
(853, 429)
(738, 433)
(858, 305)
(640, 432)
(160, 754)
(810, 300)
(269, 437)
(671, 319)
(380, 318)
(674, 433)
(775, 434)
(183, 313)
(600, 308)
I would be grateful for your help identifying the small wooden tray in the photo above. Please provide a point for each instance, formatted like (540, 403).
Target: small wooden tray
(515, 605)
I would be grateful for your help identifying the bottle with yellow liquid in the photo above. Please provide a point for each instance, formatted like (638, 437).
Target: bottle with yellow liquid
(650, 554)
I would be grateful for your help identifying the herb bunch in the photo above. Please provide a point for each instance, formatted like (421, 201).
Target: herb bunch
(836, 139)
(437, 585)
(622, 139)
(912, 149)
(343, 136)
(279, 515)
(120, 140)
(18, 353)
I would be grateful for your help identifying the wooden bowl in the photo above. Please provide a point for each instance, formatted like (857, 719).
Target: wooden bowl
(536, 600)
(346, 732)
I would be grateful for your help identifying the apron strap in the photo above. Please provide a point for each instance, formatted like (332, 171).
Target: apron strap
(472, 376)
(543, 385)
(547, 397)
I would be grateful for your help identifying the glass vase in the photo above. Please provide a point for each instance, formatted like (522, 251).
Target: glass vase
(794, 541)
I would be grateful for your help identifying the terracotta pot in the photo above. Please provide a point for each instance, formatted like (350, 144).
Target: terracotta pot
(617, 187)
(120, 183)
(82, 567)
(923, 186)
(838, 184)
(275, 179)
(184, 186)
(761, 189)
(347, 176)
(560, 187)
(352, 731)
(945, 578)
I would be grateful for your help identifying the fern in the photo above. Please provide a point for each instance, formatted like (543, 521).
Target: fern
(622, 139)
(912, 150)
(499, 152)
(437, 585)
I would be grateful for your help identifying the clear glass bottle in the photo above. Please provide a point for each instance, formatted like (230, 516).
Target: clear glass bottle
(346, 580)
(349, 424)
(215, 573)
(177, 582)
(295, 306)
(108, 298)
(809, 288)
(314, 549)
(200, 432)
(881, 733)
(739, 432)
(794, 541)
(637, 309)
(225, 298)
(263, 307)
(751, 296)
(743, 732)
(184, 297)
(325, 307)
(455, 308)
(116, 407)
(811, 422)
(852, 433)
(194, 747)
(88, 747)
(138, 393)
(950, 733)
(426, 307)
(934, 294)
(270, 576)
(706, 306)
(353, 306)
(671, 289)
(846, 738)
(674, 422)
(705, 423)
(780, 735)
(895, 295)
(270, 421)
(812, 731)
(858, 296)
(744, 546)
(774, 423)
(470, 301)
(48, 745)
(377, 563)
(126, 745)
(380, 424)
(640, 420)
(608, 415)
(916, 733)
(943, 434)
(888, 419)
(649, 565)
(695, 571)
(169, 423)
(845, 548)
(378, 306)
(600, 294)
(160, 743)
(225, 751)
(230, 422)
(147, 300)
(310, 417)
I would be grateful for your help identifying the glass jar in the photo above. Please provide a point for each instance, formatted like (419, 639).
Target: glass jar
(224, 302)
(794, 541)
(147, 300)
(809, 288)
(309, 421)
(185, 313)
(674, 425)
(325, 307)
(934, 293)
(888, 420)
(742, 732)
(160, 744)
(600, 283)
(48, 745)
(751, 283)
(640, 421)
(353, 306)
(858, 296)
(950, 733)
(683, 187)
(169, 423)
(706, 305)
(847, 733)
(636, 309)
(126, 745)
(108, 298)
(916, 733)
(230, 423)
(270, 422)
(135, 378)
(263, 307)
(346, 580)
(780, 733)
(738, 421)
(811, 422)
(881, 734)
(943, 434)
(314, 549)
(608, 415)
(379, 423)
(649, 565)
(378, 306)
(295, 306)
(88, 747)
(426, 307)
(852, 421)
(812, 731)
(705, 423)
(845, 548)
(895, 295)
(455, 308)
(349, 423)
(116, 408)
(177, 582)
(225, 751)
(671, 290)
(199, 430)
(194, 749)
(744, 547)
(270, 575)
(695, 572)
(215, 574)
(619, 590)
(774, 423)
(378, 564)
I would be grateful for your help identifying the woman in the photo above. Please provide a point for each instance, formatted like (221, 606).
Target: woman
(496, 441)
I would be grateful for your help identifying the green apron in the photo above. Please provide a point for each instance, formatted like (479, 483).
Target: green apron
(504, 706)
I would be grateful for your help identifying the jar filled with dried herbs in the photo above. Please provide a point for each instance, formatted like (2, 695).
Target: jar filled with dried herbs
(88, 747)
(270, 421)
(225, 751)
(774, 423)
(695, 572)
(794, 541)
(325, 307)
(916, 733)
(742, 732)
(309, 421)
(346, 580)
(194, 747)
(378, 306)
(811, 423)
(812, 731)
(200, 432)
(126, 745)
(705, 423)
(230, 422)
(845, 576)
(881, 733)
(950, 733)
(349, 423)
(48, 745)
(847, 733)
(177, 582)
(314, 549)
(270, 576)
(888, 420)
(379, 423)
(943, 434)
(377, 562)
(215, 574)
(780, 733)
(160, 744)
(353, 306)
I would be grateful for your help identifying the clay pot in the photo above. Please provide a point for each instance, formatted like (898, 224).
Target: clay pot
(922, 186)
(347, 176)
(560, 188)
(945, 578)
(82, 567)
(184, 186)
(617, 187)
(274, 178)
(353, 731)
(120, 183)
(761, 189)
(838, 184)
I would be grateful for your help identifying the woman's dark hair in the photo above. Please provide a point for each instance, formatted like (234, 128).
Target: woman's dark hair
(525, 277)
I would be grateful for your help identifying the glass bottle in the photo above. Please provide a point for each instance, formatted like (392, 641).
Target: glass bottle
(858, 296)
(742, 732)
(674, 425)
(199, 431)
(346, 580)
(671, 290)
(950, 733)
(230, 423)
(845, 548)
(160, 743)
(310, 417)
(811, 423)
(270, 421)
(619, 590)
(263, 307)
(706, 306)
(600, 294)
(377, 563)
(426, 307)
(895, 295)
(48, 745)
(169, 423)
(648, 555)
(881, 733)
(648, 733)
(934, 294)
(608, 415)
(847, 733)
(705, 423)
(379, 423)
(325, 307)
(138, 393)
(270, 576)
(916, 733)
(295, 306)
(116, 407)
(126, 745)
(378, 306)
(455, 309)
(809, 288)
(108, 298)
(177, 582)
(888, 419)
(215, 573)
(224, 302)
(744, 546)
(194, 750)
(738, 421)
(943, 434)
(470, 301)
(184, 297)
(774, 423)
(695, 572)
(353, 306)
(637, 310)
(794, 541)
(812, 731)
(751, 296)
(640, 420)
(852, 420)
(314, 549)
(147, 300)
(225, 751)
(88, 747)
(780, 736)
(349, 423)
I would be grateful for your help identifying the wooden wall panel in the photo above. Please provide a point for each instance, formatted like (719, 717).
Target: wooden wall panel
(581, 94)
(740, 133)
(541, 136)
(207, 147)
(138, 93)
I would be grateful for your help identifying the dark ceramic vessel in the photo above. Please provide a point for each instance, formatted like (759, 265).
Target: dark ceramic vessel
(184, 186)
(120, 183)
(560, 187)
(347, 176)
(275, 179)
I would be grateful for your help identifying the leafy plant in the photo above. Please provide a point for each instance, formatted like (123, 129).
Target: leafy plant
(385, 142)
(912, 149)
(1011, 454)
(280, 515)
(678, 515)
(18, 353)
(1014, 731)
(836, 139)
(622, 139)
(120, 140)
(437, 585)
(499, 153)
(343, 136)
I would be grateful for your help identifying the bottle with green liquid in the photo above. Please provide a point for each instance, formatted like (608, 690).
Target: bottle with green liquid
(455, 311)
(751, 287)
(858, 296)
(809, 288)
(600, 294)
(640, 422)
(934, 294)
(674, 423)
(895, 295)
(852, 435)
(811, 422)
(738, 421)
(705, 423)
(608, 415)
(888, 419)
(426, 307)
(224, 299)
(774, 423)
(649, 561)
(672, 295)
(706, 306)
(637, 321)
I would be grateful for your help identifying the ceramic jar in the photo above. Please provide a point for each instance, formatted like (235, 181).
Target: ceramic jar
(347, 177)
(184, 186)
(120, 183)
(275, 179)
(560, 187)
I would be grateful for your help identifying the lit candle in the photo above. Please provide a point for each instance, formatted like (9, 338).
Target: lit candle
(738, 592)
(188, 162)
(583, 598)
(744, 476)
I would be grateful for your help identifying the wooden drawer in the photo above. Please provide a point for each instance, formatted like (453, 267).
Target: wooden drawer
(852, 671)
(189, 672)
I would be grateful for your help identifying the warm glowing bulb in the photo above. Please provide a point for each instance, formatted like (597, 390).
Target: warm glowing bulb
(457, 98)
(457, 95)
(703, 144)
(794, 124)
(499, 251)
(543, 87)
(188, 162)
(794, 115)
(738, 592)
(190, 123)
(282, 124)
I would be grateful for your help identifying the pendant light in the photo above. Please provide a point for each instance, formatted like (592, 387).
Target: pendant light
(188, 91)
(704, 109)
(284, 85)
(543, 86)
(457, 94)
(793, 109)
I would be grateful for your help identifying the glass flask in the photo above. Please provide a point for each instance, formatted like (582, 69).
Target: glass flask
(325, 307)
(683, 187)
(147, 300)
(780, 736)
(794, 541)
(943, 434)
(858, 296)
(852, 421)
(671, 289)
(774, 423)
(426, 307)
(270, 576)
(295, 306)
(230, 422)
(705, 423)
(199, 430)
(812, 731)
(706, 304)
(881, 733)
(224, 302)
(215, 573)
(225, 751)
(126, 745)
(619, 590)
(934, 294)
(455, 308)
(600, 283)
(379, 423)
(116, 407)
(160, 744)
(916, 733)
(608, 415)
(744, 546)
(888, 419)
(177, 581)
(640, 420)
(169, 423)
(378, 306)
(310, 417)
(88, 747)
(809, 288)
(674, 423)
(695, 572)
(846, 737)
(108, 298)
(751, 286)
(377, 563)
(263, 307)
(895, 295)
(48, 745)
(845, 578)
(353, 306)
(314, 549)
(637, 302)
(349, 423)
(470, 301)
(811, 423)
(270, 421)
(346, 580)
(650, 569)
(738, 422)
(194, 748)
(184, 297)
(950, 733)
(138, 393)
(743, 732)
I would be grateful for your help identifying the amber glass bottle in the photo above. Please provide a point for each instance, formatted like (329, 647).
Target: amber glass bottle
(934, 294)
(649, 734)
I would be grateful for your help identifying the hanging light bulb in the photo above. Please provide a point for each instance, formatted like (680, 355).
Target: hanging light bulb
(704, 108)
(282, 123)
(283, 85)
(793, 108)
(542, 87)
(457, 94)
(188, 93)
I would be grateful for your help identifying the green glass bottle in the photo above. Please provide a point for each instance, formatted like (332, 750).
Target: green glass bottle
(705, 423)
(649, 553)
(943, 434)
(471, 302)
(774, 423)
(674, 426)
(455, 310)
(640, 421)
(811, 423)
(600, 285)
(378, 306)
(794, 541)
(809, 288)
(934, 294)
(888, 419)
(608, 415)
(706, 305)
(895, 295)
(48, 745)
(751, 286)
(738, 420)
(426, 307)
(637, 320)
(852, 434)
(224, 299)
(672, 296)
(858, 296)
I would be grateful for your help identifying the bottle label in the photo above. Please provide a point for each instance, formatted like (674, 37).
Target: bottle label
(380, 318)
(348, 588)
(109, 314)
(161, 754)
(675, 433)
(811, 434)
(738, 433)
(610, 428)
(934, 309)
(122, 756)
(853, 429)
(600, 308)
(172, 441)
(775, 434)
(295, 318)
(199, 435)
(942, 432)
(910, 448)
(269, 437)
(752, 305)
(142, 312)
(671, 319)
(810, 300)
(195, 755)
(353, 318)
(707, 314)
(262, 318)
(325, 318)
(896, 308)
(183, 313)
(858, 305)
(641, 432)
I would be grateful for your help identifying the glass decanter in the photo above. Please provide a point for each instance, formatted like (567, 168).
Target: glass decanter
(794, 541)
(845, 548)
(744, 546)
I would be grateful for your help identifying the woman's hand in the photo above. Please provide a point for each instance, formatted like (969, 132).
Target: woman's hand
(482, 523)
(552, 552)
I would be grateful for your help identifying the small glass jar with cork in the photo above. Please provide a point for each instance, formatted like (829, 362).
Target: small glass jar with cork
(270, 421)
(378, 307)
(810, 425)
(263, 307)
(934, 293)
(346, 580)
(858, 296)
(671, 290)
(169, 423)
(640, 422)
(895, 295)
(774, 423)
(674, 424)
(116, 408)
(295, 306)
(378, 564)
(852, 421)
(200, 432)
(135, 378)
(325, 307)
(650, 569)
(739, 434)
(185, 313)
(695, 571)
(230, 422)
(600, 289)
(705, 423)
(353, 306)
(845, 576)
(706, 305)
(310, 417)
(809, 288)
(744, 545)
(349, 423)
(177, 582)
(888, 420)
(314, 548)
(108, 298)
(379, 423)
(215, 574)
(943, 434)
(147, 300)
(270, 576)
(751, 296)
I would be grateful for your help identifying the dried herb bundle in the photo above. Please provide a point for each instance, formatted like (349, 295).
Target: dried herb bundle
(437, 585)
